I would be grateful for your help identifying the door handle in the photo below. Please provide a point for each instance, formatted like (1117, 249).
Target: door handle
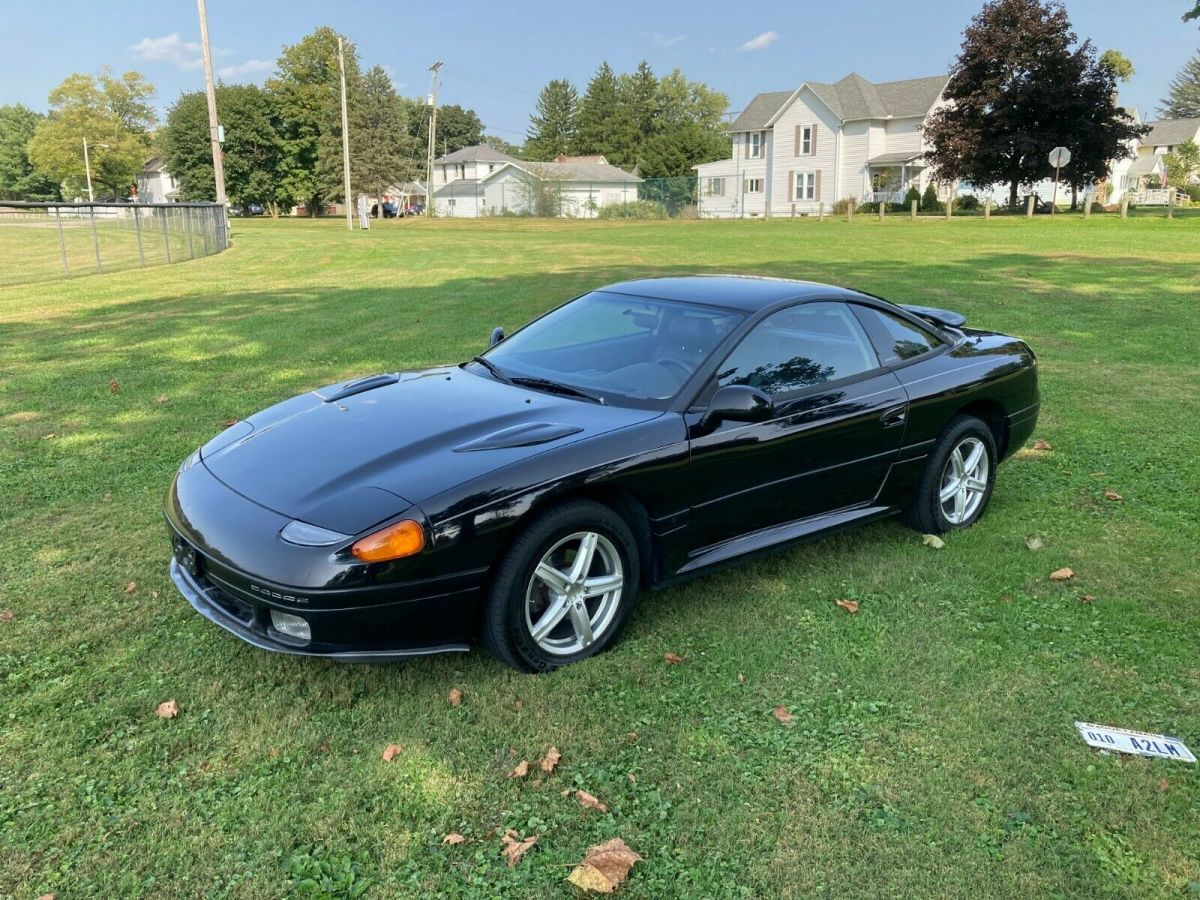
(897, 415)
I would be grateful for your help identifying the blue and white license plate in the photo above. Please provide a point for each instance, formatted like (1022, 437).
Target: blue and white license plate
(1123, 740)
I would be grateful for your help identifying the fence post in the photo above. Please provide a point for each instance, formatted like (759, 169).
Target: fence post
(1029, 207)
(949, 207)
(1087, 207)
(987, 208)
(187, 221)
(849, 210)
(882, 208)
(1125, 205)
(95, 237)
(913, 213)
(793, 210)
(166, 237)
(137, 227)
(1170, 203)
(821, 211)
(62, 244)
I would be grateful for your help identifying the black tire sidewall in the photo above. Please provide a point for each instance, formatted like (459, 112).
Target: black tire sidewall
(927, 514)
(505, 628)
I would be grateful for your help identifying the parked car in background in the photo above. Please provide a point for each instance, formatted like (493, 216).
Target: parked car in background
(390, 210)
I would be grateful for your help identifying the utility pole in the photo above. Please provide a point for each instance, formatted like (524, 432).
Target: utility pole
(87, 167)
(432, 139)
(345, 140)
(214, 128)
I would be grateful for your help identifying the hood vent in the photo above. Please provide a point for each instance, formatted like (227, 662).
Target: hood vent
(525, 435)
(357, 386)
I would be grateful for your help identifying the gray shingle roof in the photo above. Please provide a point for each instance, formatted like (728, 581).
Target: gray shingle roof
(1145, 164)
(477, 153)
(1168, 132)
(565, 171)
(852, 98)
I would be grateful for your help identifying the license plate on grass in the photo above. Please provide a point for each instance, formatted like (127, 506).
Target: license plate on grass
(1123, 740)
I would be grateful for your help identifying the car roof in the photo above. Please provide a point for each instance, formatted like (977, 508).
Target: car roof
(746, 293)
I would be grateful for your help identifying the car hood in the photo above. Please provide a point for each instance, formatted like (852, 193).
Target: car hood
(355, 453)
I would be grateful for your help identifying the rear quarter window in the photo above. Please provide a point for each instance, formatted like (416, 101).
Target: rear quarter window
(896, 339)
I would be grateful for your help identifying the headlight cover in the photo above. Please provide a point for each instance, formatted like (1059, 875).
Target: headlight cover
(304, 535)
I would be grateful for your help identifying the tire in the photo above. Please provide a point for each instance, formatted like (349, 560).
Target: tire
(928, 513)
(537, 580)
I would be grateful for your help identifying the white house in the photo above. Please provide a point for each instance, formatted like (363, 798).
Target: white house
(820, 143)
(480, 181)
(155, 184)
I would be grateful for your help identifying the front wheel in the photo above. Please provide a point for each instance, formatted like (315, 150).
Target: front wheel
(565, 588)
(957, 483)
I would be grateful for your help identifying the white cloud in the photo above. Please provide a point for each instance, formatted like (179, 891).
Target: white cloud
(658, 39)
(169, 49)
(764, 40)
(249, 67)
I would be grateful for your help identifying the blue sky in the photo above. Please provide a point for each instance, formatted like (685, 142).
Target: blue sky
(498, 55)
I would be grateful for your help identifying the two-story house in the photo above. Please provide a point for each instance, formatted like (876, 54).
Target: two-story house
(820, 143)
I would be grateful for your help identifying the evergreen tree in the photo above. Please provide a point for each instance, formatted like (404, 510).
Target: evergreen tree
(552, 127)
(603, 124)
(1020, 87)
(1183, 101)
(381, 149)
(639, 92)
(19, 178)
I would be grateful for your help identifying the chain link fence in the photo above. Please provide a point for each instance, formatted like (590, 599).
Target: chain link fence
(45, 241)
(521, 196)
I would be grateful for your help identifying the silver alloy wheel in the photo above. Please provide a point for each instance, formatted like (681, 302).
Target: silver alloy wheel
(964, 480)
(574, 593)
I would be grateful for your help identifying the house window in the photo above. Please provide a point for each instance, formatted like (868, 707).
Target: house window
(716, 187)
(755, 145)
(754, 185)
(806, 186)
(806, 140)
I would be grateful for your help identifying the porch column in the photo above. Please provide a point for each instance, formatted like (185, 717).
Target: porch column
(903, 177)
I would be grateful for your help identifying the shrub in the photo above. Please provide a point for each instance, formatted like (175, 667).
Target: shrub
(930, 201)
(913, 194)
(1193, 192)
(840, 207)
(634, 209)
(967, 203)
(868, 207)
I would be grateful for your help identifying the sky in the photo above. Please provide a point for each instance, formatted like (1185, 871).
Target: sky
(498, 55)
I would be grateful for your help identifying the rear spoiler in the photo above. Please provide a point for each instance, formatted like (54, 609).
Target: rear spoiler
(937, 316)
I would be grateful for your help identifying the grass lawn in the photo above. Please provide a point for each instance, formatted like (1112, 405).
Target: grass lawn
(932, 750)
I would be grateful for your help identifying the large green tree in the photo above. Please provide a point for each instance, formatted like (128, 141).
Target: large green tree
(1183, 164)
(457, 127)
(552, 127)
(381, 150)
(115, 116)
(639, 92)
(1183, 99)
(604, 124)
(19, 178)
(307, 86)
(253, 148)
(1022, 85)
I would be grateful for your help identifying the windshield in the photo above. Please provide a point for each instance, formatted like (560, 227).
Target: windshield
(629, 351)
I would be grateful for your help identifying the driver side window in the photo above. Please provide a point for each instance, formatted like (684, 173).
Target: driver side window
(799, 347)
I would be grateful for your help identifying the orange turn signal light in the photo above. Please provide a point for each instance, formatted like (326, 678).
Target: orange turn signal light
(396, 541)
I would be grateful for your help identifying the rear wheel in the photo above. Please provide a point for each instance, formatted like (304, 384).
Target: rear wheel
(565, 588)
(957, 482)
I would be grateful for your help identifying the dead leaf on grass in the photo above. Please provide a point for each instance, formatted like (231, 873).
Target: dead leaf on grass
(781, 713)
(590, 801)
(515, 847)
(741, 678)
(1110, 494)
(107, 498)
(550, 760)
(161, 398)
(455, 697)
(850, 606)
(605, 867)
(453, 838)
(168, 709)
(521, 770)
(932, 540)
(131, 587)
(673, 659)
(228, 423)
(6, 615)
(114, 387)
(1087, 598)
(1042, 446)
(391, 751)
(1033, 542)
(1063, 574)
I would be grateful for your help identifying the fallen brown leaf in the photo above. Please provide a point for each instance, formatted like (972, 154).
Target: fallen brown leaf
(782, 714)
(741, 678)
(1042, 445)
(114, 387)
(46, 897)
(514, 847)
(521, 770)
(519, 705)
(1033, 542)
(49, 437)
(565, 792)
(1162, 785)
(391, 751)
(6, 615)
(1097, 474)
(1062, 574)
(550, 760)
(605, 867)
(850, 606)
(168, 709)
(1087, 598)
(932, 540)
(1110, 494)
(591, 802)
(154, 595)
(453, 838)
(161, 398)
(228, 423)
(455, 697)
(673, 658)
(131, 587)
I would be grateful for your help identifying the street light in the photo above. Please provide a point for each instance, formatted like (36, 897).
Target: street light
(87, 168)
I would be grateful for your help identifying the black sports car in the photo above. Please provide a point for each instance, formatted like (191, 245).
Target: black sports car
(637, 435)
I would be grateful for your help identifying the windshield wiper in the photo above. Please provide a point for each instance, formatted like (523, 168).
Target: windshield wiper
(555, 387)
(493, 368)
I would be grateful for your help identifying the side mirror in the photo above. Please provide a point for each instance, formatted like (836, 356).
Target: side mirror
(497, 336)
(737, 403)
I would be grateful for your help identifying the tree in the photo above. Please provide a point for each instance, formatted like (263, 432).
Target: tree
(114, 115)
(1117, 63)
(1183, 101)
(498, 143)
(687, 131)
(381, 150)
(1020, 87)
(639, 92)
(19, 178)
(308, 92)
(1183, 164)
(552, 127)
(1193, 13)
(682, 100)
(603, 124)
(253, 148)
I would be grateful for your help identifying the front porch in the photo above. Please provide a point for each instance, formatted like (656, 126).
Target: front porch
(890, 176)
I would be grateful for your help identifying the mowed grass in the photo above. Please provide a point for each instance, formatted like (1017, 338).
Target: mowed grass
(932, 750)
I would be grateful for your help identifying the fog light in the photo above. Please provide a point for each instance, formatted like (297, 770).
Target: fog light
(292, 626)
